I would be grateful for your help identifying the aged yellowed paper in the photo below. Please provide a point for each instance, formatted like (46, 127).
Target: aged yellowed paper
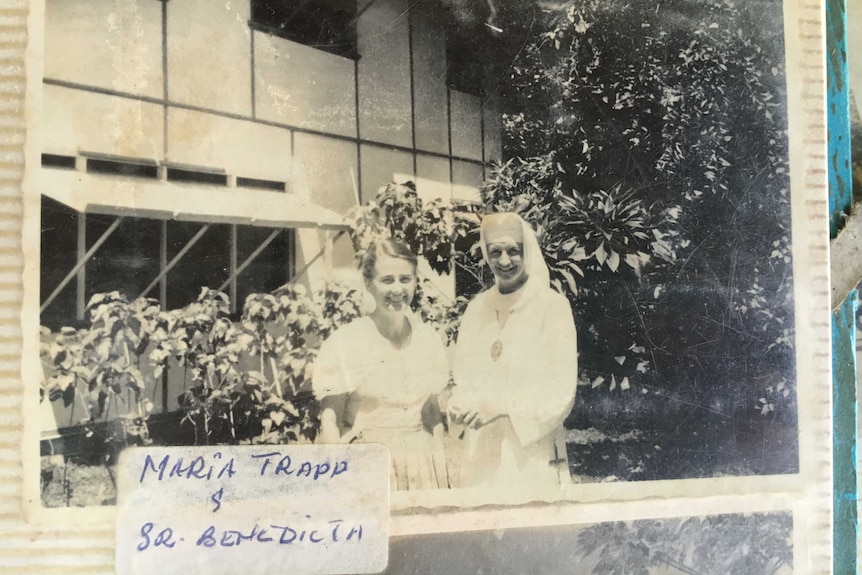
(648, 339)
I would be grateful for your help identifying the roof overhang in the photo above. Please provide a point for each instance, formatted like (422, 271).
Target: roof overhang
(154, 199)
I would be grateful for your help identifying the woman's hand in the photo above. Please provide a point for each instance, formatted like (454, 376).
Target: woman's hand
(351, 436)
(328, 427)
(481, 416)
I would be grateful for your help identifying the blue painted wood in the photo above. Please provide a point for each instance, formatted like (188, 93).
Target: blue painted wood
(845, 515)
(838, 103)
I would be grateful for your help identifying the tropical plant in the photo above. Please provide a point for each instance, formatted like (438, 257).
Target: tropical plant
(398, 212)
(202, 340)
(99, 368)
(624, 119)
(757, 544)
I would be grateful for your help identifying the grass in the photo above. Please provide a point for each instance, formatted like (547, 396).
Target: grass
(73, 484)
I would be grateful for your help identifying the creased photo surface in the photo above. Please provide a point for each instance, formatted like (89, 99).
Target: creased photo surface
(541, 251)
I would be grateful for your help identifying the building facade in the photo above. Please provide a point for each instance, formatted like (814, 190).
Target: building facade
(188, 143)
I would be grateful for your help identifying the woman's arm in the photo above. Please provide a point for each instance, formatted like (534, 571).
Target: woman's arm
(548, 378)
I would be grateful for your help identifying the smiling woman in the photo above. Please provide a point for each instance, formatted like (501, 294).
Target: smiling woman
(375, 376)
(515, 367)
(503, 247)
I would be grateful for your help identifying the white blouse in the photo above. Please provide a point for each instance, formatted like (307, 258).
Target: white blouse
(391, 385)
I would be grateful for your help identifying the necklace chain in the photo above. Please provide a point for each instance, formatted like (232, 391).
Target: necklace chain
(497, 346)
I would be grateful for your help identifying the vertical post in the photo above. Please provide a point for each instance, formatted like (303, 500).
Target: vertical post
(251, 63)
(163, 263)
(291, 253)
(327, 250)
(81, 278)
(165, 79)
(412, 85)
(232, 292)
(449, 136)
(357, 109)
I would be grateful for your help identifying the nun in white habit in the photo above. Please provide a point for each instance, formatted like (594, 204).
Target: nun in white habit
(515, 367)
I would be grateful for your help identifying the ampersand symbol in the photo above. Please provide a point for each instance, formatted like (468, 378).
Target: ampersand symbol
(216, 498)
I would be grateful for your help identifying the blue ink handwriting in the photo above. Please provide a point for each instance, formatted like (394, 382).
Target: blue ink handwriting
(197, 468)
(163, 538)
(306, 468)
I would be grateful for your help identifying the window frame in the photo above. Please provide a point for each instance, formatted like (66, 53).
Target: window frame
(72, 313)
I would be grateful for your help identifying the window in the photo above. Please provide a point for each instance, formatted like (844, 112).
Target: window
(465, 66)
(271, 268)
(328, 25)
(128, 260)
(58, 161)
(122, 168)
(59, 254)
(192, 176)
(259, 184)
(131, 258)
(205, 264)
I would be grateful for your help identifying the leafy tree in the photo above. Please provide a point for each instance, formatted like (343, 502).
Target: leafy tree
(756, 544)
(648, 144)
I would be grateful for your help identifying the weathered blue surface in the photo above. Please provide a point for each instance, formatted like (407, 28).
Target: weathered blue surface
(838, 102)
(845, 516)
(845, 513)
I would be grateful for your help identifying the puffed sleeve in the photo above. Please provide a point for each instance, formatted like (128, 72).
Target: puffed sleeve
(331, 367)
(545, 394)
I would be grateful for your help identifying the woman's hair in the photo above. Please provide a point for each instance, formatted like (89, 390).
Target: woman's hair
(388, 247)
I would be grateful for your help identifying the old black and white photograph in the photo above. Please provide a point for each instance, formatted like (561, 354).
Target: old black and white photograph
(527, 245)
(750, 543)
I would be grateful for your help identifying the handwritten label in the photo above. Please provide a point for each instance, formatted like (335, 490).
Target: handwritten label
(306, 509)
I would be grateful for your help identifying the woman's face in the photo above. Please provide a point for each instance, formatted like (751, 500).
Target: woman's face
(393, 285)
(506, 259)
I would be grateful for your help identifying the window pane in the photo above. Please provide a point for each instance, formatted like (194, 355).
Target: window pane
(59, 254)
(325, 24)
(270, 269)
(128, 260)
(207, 263)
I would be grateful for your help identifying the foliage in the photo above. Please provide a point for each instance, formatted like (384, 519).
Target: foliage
(130, 347)
(229, 401)
(757, 544)
(445, 316)
(100, 367)
(400, 213)
(631, 119)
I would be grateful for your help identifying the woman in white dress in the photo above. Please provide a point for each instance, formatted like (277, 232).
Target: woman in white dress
(515, 366)
(375, 375)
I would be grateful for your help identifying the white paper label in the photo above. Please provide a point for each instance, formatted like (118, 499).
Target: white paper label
(304, 509)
